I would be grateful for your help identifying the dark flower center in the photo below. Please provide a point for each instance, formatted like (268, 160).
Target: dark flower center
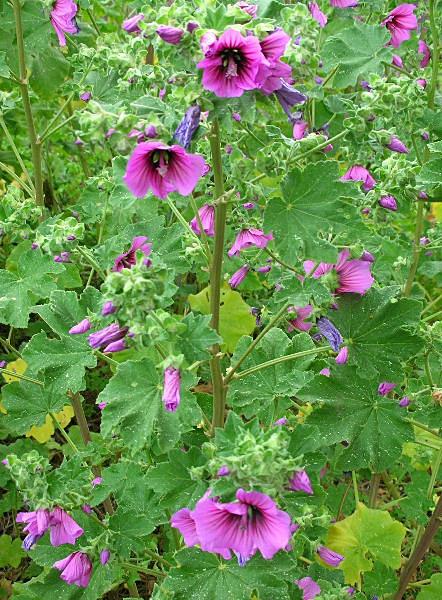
(232, 59)
(160, 160)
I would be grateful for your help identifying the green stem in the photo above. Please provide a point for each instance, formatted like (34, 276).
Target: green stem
(133, 590)
(342, 502)
(7, 344)
(154, 556)
(33, 138)
(93, 21)
(428, 369)
(319, 147)
(374, 487)
(48, 134)
(185, 224)
(63, 432)
(434, 55)
(20, 376)
(16, 152)
(216, 275)
(433, 316)
(16, 178)
(390, 486)
(255, 342)
(416, 250)
(432, 303)
(141, 569)
(355, 487)
(91, 261)
(280, 359)
(424, 427)
(402, 71)
(281, 262)
(108, 359)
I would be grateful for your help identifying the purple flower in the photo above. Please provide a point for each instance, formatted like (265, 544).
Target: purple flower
(264, 269)
(208, 43)
(87, 509)
(396, 145)
(288, 97)
(191, 26)
(188, 126)
(280, 422)
(329, 331)
(273, 72)
(37, 523)
(317, 14)
(300, 129)
(117, 346)
(233, 64)
(78, 142)
(81, 327)
(171, 35)
(422, 83)
(397, 61)
(110, 132)
(300, 482)
(229, 148)
(425, 136)
(424, 49)
(365, 85)
(63, 19)
(63, 257)
(223, 471)
(104, 556)
(388, 202)
(424, 241)
(333, 559)
(343, 3)
(34, 246)
(109, 308)
(354, 275)
(351, 591)
(247, 238)
(342, 356)
(309, 588)
(404, 402)
(128, 259)
(207, 217)
(97, 481)
(239, 276)
(359, 173)
(71, 238)
(249, 205)
(3, 364)
(76, 569)
(171, 390)
(85, 96)
(250, 9)
(236, 117)
(325, 372)
(64, 530)
(107, 335)
(150, 131)
(385, 388)
(302, 313)
(367, 256)
(102, 405)
(163, 169)
(400, 22)
(131, 25)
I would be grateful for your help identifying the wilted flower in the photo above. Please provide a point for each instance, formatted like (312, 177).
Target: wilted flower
(400, 22)
(64, 530)
(128, 259)
(239, 276)
(63, 19)
(333, 559)
(107, 335)
(109, 308)
(247, 238)
(359, 173)
(171, 390)
(385, 388)
(188, 126)
(272, 72)
(342, 356)
(232, 65)
(300, 482)
(343, 3)
(81, 327)
(207, 217)
(424, 49)
(163, 169)
(317, 14)
(309, 588)
(171, 35)
(37, 523)
(131, 25)
(76, 569)
(396, 145)
(288, 97)
(302, 313)
(250, 9)
(329, 331)
(389, 202)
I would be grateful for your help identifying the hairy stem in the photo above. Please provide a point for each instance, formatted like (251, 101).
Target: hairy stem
(280, 359)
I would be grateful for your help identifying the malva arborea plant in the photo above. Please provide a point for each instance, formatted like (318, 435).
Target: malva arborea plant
(220, 303)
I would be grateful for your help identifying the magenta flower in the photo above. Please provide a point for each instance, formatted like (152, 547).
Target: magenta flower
(171, 35)
(300, 129)
(388, 202)
(422, 83)
(63, 19)
(191, 26)
(64, 530)
(385, 388)
(102, 405)
(81, 327)
(86, 96)
(317, 14)
(207, 217)
(208, 43)
(104, 556)
(233, 64)
(325, 372)
(400, 22)
(404, 402)
(247, 238)
(396, 145)
(425, 51)
(333, 559)
(250, 9)
(172, 389)
(273, 71)
(131, 25)
(63, 257)
(239, 276)
(300, 482)
(163, 169)
(354, 275)
(76, 569)
(223, 471)
(367, 256)
(281, 422)
(249, 205)
(128, 259)
(342, 356)
(397, 61)
(37, 523)
(109, 308)
(309, 588)
(96, 481)
(107, 335)
(343, 3)
(302, 313)
(359, 173)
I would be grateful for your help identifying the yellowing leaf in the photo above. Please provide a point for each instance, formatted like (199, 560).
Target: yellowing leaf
(235, 318)
(44, 432)
(3, 409)
(365, 536)
(18, 366)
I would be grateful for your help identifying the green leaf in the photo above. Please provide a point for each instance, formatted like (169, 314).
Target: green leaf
(430, 176)
(63, 362)
(358, 50)
(379, 331)
(350, 409)
(11, 551)
(19, 291)
(432, 591)
(310, 209)
(204, 576)
(365, 536)
(236, 319)
(127, 529)
(146, 106)
(283, 379)
(195, 342)
(49, 70)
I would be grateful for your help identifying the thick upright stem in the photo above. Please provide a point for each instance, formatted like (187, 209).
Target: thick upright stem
(435, 55)
(24, 87)
(416, 249)
(374, 487)
(216, 275)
